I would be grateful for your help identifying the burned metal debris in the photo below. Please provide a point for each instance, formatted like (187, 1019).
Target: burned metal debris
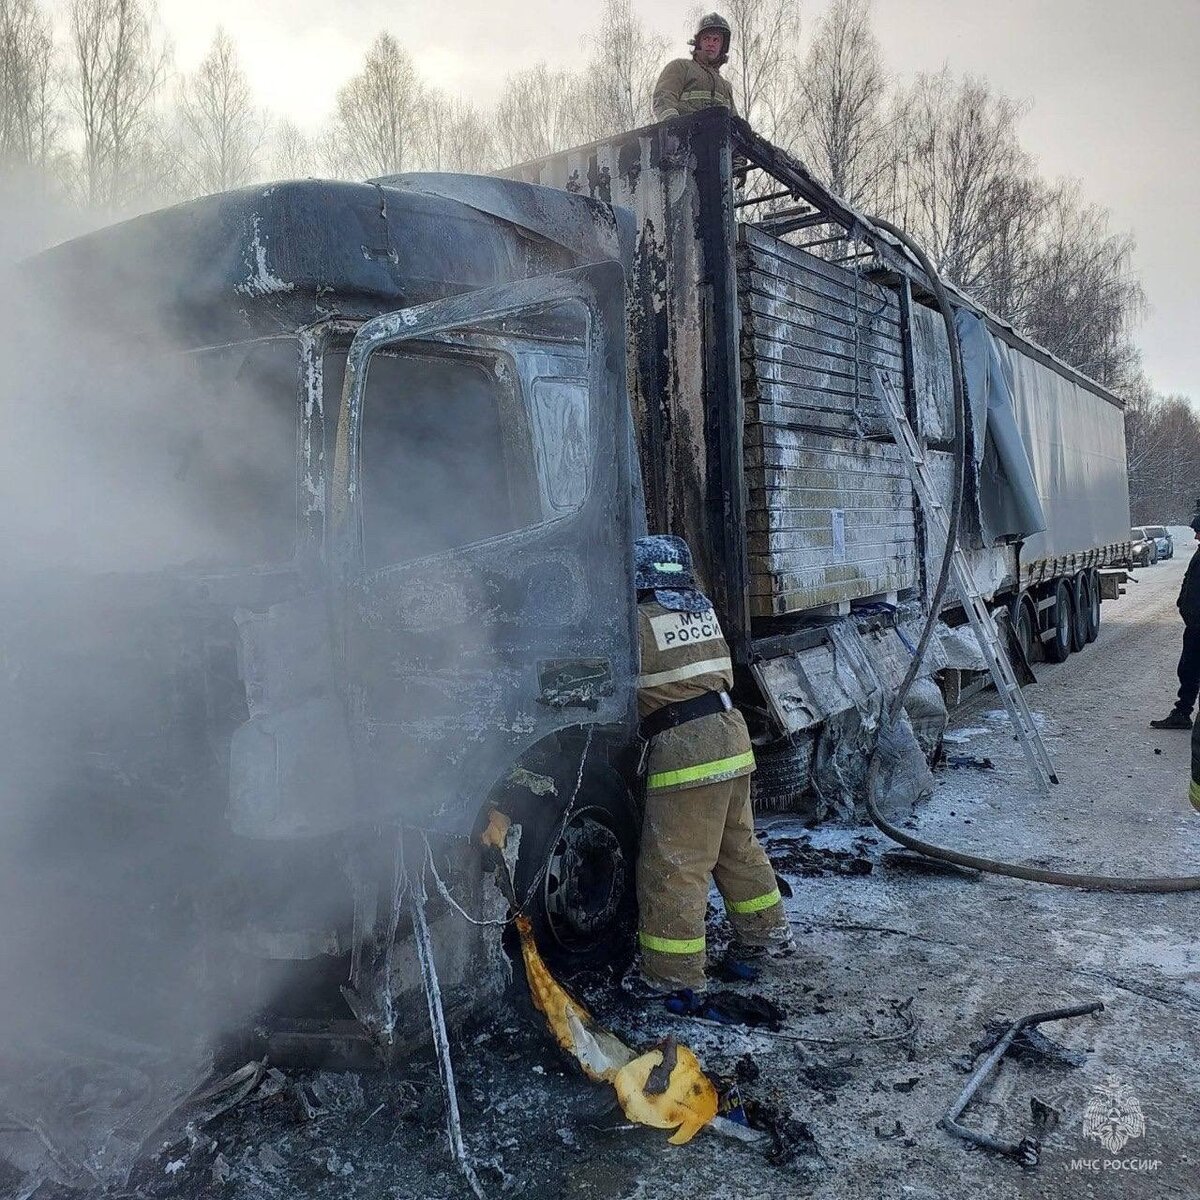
(1027, 1151)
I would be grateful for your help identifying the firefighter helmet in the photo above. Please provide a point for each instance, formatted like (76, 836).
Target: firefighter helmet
(714, 22)
(663, 565)
(662, 561)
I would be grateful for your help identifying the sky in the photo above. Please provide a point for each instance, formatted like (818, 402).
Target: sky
(1114, 88)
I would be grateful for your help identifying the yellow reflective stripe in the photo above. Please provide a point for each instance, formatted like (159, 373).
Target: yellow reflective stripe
(1194, 795)
(755, 905)
(671, 945)
(714, 666)
(705, 94)
(701, 771)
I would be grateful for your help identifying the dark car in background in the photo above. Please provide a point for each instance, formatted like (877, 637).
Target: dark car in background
(1163, 542)
(1144, 549)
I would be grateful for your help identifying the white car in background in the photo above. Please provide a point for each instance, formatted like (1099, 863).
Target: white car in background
(1163, 542)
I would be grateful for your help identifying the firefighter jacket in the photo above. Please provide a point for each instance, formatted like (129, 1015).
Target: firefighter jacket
(684, 655)
(686, 86)
(1189, 594)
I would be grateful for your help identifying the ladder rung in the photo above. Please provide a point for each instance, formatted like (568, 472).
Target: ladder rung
(986, 631)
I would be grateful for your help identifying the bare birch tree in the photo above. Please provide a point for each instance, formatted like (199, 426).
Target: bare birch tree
(291, 151)
(120, 64)
(1162, 445)
(1084, 298)
(376, 121)
(961, 169)
(453, 136)
(841, 89)
(30, 124)
(762, 63)
(222, 130)
(538, 113)
(619, 77)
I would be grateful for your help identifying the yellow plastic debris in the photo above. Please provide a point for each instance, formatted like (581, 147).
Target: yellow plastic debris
(665, 1088)
(688, 1103)
(496, 833)
(600, 1053)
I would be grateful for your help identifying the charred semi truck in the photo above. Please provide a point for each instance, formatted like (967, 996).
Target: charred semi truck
(424, 419)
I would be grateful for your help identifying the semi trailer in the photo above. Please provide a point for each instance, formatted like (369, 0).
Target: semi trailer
(392, 444)
(760, 308)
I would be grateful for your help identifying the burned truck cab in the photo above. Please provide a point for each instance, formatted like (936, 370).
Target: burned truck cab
(395, 417)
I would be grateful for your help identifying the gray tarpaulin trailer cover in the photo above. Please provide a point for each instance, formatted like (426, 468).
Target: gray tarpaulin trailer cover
(1009, 507)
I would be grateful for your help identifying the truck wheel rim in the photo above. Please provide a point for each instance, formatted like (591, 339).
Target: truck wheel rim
(587, 875)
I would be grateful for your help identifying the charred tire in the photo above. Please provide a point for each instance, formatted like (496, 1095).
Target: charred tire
(1093, 609)
(578, 870)
(781, 775)
(1058, 648)
(1022, 617)
(1080, 605)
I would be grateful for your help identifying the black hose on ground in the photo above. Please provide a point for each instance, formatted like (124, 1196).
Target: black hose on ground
(1106, 883)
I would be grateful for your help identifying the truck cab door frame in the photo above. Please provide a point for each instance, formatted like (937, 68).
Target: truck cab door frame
(561, 662)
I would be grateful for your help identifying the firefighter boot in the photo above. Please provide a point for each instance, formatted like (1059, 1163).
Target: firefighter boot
(1176, 720)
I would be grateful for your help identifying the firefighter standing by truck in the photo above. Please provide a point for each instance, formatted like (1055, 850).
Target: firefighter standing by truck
(698, 818)
(1180, 717)
(687, 85)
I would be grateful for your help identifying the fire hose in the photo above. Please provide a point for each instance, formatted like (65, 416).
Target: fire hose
(1105, 883)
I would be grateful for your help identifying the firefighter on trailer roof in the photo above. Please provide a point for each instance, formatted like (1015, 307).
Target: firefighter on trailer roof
(687, 85)
(698, 819)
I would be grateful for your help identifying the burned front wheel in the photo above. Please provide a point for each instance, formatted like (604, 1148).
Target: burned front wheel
(575, 875)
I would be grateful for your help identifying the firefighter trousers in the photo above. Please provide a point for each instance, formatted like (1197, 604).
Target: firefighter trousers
(1189, 670)
(687, 836)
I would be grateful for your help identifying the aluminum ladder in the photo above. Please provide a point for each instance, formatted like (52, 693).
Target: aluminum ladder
(978, 614)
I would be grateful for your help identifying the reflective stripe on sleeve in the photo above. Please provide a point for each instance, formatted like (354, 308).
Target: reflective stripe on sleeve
(671, 945)
(756, 905)
(704, 96)
(1194, 795)
(710, 666)
(702, 771)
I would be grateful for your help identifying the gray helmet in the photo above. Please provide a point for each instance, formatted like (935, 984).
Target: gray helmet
(714, 21)
(663, 565)
(662, 561)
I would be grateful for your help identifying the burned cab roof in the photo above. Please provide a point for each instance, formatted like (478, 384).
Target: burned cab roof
(268, 259)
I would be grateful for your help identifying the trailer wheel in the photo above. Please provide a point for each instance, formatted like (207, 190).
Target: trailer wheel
(577, 868)
(782, 774)
(1093, 612)
(1023, 618)
(1058, 648)
(1081, 605)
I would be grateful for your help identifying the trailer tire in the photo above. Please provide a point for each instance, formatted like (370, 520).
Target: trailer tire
(1022, 617)
(782, 774)
(577, 868)
(1093, 611)
(1080, 606)
(1058, 648)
